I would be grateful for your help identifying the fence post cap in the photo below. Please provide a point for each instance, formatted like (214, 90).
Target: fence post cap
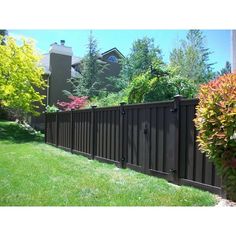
(178, 97)
(93, 106)
(122, 103)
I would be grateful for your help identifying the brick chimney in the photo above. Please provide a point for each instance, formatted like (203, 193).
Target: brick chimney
(60, 57)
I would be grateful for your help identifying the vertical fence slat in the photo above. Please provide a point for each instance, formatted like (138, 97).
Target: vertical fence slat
(71, 131)
(93, 133)
(121, 140)
(160, 140)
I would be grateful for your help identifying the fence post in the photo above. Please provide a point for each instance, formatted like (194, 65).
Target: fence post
(57, 128)
(93, 131)
(71, 131)
(177, 101)
(45, 127)
(122, 114)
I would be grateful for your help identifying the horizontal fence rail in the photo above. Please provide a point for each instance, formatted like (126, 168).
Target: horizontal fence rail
(154, 138)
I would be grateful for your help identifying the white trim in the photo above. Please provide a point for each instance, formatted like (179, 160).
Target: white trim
(61, 49)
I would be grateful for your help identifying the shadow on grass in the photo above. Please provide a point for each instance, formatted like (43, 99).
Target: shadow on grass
(12, 132)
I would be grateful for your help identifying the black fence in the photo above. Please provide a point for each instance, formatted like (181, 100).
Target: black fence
(154, 138)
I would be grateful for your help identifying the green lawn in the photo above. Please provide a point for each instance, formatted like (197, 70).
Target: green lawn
(35, 174)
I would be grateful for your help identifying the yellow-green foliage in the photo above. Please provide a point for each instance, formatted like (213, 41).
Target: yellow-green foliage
(20, 75)
(216, 122)
(139, 86)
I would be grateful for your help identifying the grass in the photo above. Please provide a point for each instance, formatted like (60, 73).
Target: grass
(35, 174)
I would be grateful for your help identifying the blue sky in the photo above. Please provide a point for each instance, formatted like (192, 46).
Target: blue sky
(217, 40)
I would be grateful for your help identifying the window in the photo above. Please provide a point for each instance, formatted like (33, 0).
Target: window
(112, 59)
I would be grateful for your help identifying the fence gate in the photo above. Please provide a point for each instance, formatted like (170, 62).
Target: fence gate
(149, 139)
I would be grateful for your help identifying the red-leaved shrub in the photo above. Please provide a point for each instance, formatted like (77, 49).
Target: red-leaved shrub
(75, 103)
(216, 123)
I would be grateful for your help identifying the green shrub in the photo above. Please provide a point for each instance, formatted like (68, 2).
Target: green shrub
(151, 88)
(111, 99)
(216, 123)
(52, 108)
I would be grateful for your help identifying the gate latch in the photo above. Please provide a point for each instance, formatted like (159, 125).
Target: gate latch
(145, 129)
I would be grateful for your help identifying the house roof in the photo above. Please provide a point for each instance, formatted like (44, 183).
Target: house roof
(113, 49)
(74, 61)
(45, 64)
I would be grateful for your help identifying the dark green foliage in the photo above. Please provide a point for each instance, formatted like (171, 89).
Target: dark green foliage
(191, 58)
(3, 32)
(225, 70)
(159, 84)
(111, 99)
(167, 87)
(88, 83)
(16, 133)
(143, 55)
(110, 84)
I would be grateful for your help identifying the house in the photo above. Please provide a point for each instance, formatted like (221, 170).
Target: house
(60, 65)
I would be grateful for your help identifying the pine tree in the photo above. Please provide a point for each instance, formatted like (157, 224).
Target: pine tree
(87, 84)
(191, 58)
(143, 55)
(225, 70)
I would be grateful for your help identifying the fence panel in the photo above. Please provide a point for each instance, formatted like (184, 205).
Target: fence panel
(154, 138)
(195, 168)
(64, 135)
(161, 140)
(82, 131)
(107, 134)
(134, 139)
(51, 127)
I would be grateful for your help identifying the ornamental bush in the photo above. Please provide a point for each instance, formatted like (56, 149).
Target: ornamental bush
(216, 122)
(74, 104)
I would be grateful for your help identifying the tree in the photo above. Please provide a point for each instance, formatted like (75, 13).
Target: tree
(143, 55)
(191, 58)
(158, 86)
(3, 33)
(225, 70)
(167, 87)
(20, 76)
(87, 84)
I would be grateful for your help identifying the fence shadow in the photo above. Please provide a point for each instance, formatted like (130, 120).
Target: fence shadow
(12, 132)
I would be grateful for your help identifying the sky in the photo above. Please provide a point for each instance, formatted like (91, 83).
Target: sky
(217, 40)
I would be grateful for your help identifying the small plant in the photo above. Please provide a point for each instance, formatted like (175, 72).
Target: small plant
(110, 99)
(52, 108)
(216, 123)
(75, 103)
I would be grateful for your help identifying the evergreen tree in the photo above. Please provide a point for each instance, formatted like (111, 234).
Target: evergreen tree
(143, 55)
(225, 70)
(3, 33)
(191, 58)
(87, 84)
